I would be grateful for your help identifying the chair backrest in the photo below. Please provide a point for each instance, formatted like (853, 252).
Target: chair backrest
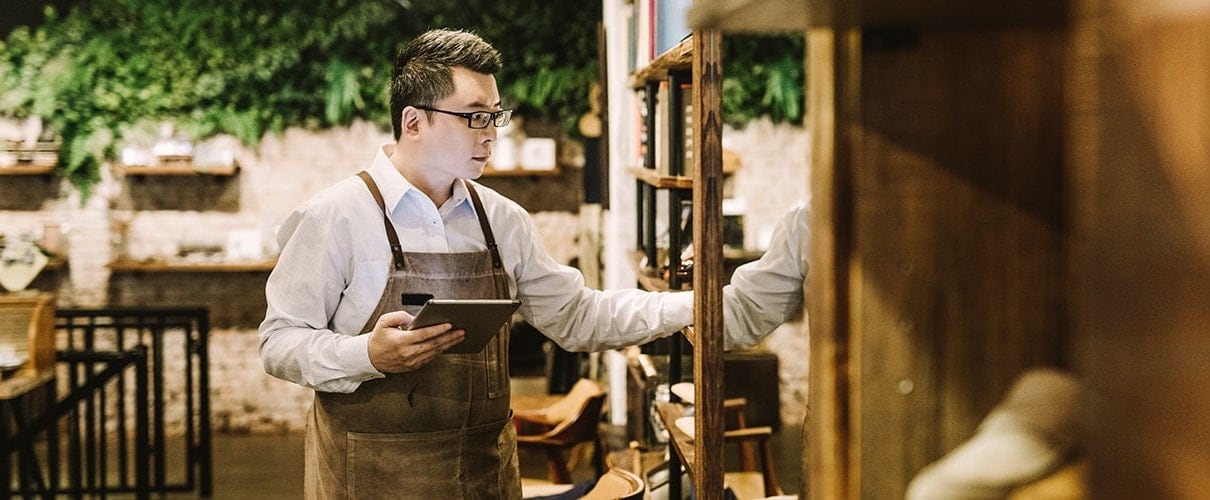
(617, 484)
(570, 405)
(581, 426)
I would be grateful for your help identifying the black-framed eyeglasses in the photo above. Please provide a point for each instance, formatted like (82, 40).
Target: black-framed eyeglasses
(478, 119)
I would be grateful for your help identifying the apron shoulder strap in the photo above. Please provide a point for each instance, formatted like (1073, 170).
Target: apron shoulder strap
(396, 248)
(488, 237)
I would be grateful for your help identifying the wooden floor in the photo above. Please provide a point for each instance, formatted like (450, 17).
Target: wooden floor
(267, 467)
(270, 467)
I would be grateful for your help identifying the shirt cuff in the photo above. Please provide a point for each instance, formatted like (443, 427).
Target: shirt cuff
(678, 309)
(356, 350)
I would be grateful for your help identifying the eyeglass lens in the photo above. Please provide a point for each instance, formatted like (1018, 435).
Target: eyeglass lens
(500, 118)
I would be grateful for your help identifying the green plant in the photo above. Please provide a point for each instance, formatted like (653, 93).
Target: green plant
(109, 70)
(763, 75)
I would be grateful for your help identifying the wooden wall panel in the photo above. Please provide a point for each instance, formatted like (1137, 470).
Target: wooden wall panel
(940, 206)
(958, 228)
(827, 439)
(1143, 226)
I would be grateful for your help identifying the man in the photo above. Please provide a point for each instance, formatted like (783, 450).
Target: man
(393, 417)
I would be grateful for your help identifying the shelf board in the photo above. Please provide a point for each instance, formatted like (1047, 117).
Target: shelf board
(650, 177)
(690, 334)
(161, 266)
(28, 169)
(177, 168)
(678, 57)
(646, 275)
(668, 413)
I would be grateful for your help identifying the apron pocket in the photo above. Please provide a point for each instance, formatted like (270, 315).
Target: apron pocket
(477, 462)
(416, 465)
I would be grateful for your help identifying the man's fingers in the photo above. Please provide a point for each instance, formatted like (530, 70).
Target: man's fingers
(430, 332)
(395, 319)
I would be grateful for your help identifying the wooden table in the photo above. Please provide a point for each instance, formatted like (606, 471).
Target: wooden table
(20, 409)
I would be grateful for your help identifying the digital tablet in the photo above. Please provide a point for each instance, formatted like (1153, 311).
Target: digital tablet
(481, 319)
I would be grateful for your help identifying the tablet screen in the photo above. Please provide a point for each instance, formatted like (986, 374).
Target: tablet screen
(481, 319)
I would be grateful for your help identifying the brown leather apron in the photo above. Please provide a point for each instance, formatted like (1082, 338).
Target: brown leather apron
(443, 431)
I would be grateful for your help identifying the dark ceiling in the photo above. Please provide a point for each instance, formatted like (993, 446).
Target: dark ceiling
(15, 13)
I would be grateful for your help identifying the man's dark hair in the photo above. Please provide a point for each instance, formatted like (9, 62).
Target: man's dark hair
(422, 68)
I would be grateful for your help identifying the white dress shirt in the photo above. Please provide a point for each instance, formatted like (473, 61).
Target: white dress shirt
(767, 292)
(335, 260)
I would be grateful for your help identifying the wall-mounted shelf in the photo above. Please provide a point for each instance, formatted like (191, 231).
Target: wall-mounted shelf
(669, 413)
(177, 168)
(27, 169)
(653, 179)
(678, 57)
(163, 266)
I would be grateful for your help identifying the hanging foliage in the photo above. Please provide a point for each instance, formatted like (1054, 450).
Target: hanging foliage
(109, 70)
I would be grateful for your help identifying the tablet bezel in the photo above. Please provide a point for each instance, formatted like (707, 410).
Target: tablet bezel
(481, 319)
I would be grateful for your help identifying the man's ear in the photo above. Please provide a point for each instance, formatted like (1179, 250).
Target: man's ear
(410, 122)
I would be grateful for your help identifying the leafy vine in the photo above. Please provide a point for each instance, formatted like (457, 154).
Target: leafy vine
(109, 70)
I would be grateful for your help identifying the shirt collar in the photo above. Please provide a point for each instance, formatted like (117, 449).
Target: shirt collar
(394, 186)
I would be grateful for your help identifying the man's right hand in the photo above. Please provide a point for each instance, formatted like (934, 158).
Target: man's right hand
(395, 350)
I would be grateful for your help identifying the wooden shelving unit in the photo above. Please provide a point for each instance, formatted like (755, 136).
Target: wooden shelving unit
(651, 178)
(695, 61)
(986, 199)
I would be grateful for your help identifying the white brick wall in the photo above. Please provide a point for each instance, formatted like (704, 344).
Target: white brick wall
(286, 170)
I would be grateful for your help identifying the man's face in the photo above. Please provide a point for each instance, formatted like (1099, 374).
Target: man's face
(451, 149)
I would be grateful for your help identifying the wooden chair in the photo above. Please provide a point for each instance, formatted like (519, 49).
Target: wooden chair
(757, 474)
(572, 420)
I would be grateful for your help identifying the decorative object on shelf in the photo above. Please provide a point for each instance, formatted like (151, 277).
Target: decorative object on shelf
(210, 156)
(590, 124)
(684, 390)
(244, 245)
(171, 147)
(175, 155)
(29, 145)
(20, 263)
(504, 154)
(538, 153)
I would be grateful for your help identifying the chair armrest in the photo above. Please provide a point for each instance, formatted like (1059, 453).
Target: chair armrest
(534, 416)
(748, 434)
